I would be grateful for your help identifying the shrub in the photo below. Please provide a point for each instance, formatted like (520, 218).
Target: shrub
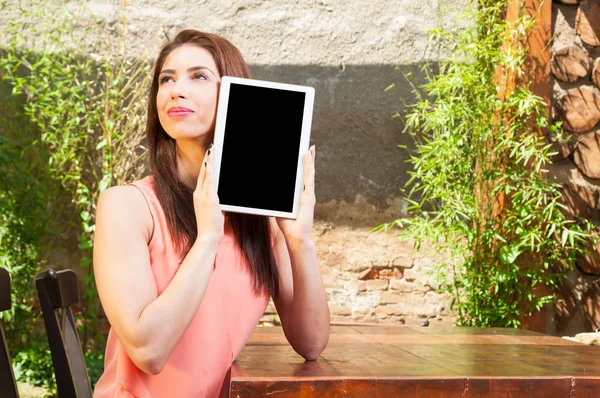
(479, 189)
(84, 112)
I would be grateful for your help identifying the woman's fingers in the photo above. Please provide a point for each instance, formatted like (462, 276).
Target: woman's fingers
(307, 201)
(309, 171)
(210, 180)
(207, 175)
(209, 217)
(202, 174)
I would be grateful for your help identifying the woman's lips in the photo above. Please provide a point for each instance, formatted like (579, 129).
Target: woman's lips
(179, 112)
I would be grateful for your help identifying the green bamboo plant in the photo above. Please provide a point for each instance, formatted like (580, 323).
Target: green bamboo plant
(479, 188)
(85, 108)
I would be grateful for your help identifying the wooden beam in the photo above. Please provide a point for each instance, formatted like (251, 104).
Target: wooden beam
(537, 78)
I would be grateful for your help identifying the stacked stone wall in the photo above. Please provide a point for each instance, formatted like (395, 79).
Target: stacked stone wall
(576, 103)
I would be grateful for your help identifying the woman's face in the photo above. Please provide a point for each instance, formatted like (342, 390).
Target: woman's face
(188, 88)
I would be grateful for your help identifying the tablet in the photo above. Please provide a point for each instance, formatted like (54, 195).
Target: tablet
(262, 134)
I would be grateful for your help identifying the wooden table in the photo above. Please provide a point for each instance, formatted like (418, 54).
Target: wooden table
(401, 361)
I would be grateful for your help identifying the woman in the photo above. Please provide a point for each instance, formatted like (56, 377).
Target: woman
(183, 284)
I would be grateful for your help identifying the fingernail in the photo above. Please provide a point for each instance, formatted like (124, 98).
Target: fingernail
(208, 152)
(205, 164)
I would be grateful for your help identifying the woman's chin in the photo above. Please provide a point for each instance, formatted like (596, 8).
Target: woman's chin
(192, 135)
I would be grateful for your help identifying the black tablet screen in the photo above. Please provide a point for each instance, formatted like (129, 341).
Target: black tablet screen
(260, 148)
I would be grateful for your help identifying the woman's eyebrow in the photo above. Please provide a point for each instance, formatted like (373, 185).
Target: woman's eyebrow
(192, 69)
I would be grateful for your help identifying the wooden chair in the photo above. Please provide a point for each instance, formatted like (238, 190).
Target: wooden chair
(8, 385)
(57, 291)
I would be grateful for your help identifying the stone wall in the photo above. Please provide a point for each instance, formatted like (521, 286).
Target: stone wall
(374, 278)
(576, 102)
(350, 51)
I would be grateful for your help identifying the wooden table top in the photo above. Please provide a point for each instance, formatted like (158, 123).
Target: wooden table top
(401, 361)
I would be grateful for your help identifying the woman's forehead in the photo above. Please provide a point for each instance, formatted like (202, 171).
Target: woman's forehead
(188, 56)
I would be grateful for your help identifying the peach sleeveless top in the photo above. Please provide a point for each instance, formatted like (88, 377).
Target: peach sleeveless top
(200, 363)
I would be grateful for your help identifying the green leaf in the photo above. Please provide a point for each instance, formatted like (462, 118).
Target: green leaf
(564, 236)
(379, 228)
(85, 245)
(101, 144)
(85, 262)
(104, 183)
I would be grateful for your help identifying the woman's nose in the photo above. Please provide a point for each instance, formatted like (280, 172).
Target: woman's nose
(179, 89)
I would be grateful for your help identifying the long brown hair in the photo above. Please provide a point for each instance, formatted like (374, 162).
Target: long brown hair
(252, 233)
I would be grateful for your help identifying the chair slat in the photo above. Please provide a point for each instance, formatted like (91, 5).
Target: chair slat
(57, 291)
(5, 300)
(8, 385)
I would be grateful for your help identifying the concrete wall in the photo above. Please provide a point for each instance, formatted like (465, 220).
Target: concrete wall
(350, 51)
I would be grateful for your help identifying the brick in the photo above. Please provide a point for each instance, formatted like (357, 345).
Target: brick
(330, 284)
(354, 265)
(341, 318)
(381, 263)
(395, 319)
(350, 285)
(362, 286)
(389, 273)
(432, 297)
(358, 312)
(401, 285)
(428, 310)
(412, 304)
(369, 273)
(402, 309)
(578, 200)
(367, 319)
(394, 309)
(585, 157)
(389, 297)
(423, 262)
(587, 22)
(565, 309)
(403, 262)
(423, 288)
(377, 284)
(411, 275)
(342, 310)
(590, 306)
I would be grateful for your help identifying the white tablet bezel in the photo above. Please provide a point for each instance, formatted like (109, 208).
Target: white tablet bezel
(226, 82)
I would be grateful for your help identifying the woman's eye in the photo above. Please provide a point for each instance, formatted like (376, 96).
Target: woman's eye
(164, 79)
(201, 76)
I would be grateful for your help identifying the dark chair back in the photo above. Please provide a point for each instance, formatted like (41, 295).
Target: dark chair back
(57, 291)
(8, 386)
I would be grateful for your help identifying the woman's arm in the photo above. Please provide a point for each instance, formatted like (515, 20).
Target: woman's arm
(302, 301)
(147, 325)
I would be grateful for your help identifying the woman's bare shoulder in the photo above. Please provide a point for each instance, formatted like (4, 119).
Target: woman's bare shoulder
(126, 197)
(127, 206)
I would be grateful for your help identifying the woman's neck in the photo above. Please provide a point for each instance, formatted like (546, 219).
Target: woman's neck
(190, 155)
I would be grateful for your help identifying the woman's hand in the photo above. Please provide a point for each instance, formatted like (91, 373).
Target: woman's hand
(299, 230)
(209, 217)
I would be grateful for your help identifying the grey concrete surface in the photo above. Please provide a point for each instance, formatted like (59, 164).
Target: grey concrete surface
(354, 129)
(348, 50)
